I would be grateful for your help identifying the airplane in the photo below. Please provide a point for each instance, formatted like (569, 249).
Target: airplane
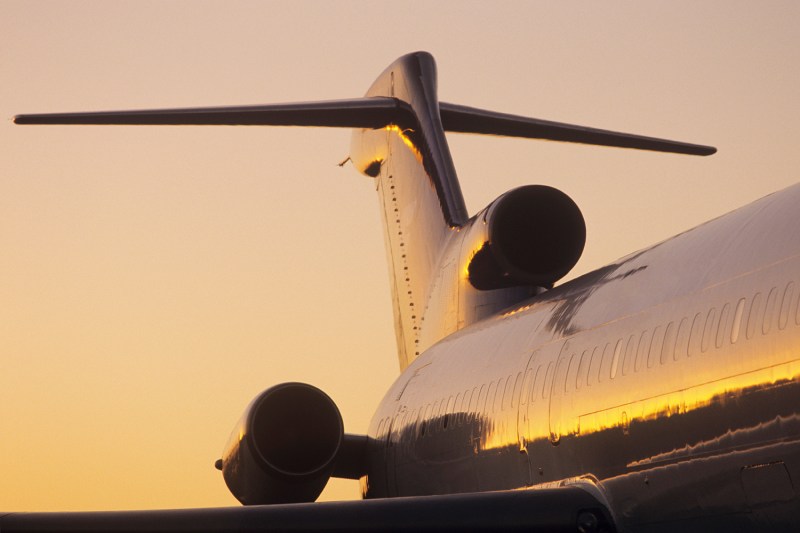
(657, 393)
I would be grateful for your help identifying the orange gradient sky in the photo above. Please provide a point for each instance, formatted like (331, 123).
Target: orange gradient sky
(154, 279)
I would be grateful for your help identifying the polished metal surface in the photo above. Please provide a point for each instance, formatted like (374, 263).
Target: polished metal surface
(657, 393)
(666, 380)
(669, 398)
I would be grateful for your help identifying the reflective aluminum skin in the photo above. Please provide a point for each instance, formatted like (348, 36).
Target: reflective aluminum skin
(666, 383)
(657, 393)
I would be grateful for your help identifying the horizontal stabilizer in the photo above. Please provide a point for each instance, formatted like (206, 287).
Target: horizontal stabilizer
(371, 112)
(375, 112)
(465, 119)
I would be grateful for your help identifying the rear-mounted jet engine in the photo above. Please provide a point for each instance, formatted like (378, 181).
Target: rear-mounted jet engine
(532, 235)
(288, 443)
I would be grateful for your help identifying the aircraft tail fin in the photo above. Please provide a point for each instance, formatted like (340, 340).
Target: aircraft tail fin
(399, 141)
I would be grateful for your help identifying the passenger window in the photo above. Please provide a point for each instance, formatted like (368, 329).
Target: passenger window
(709, 330)
(605, 362)
(490, 397)
(695, 335)
(594, 365)
(630, 355)
(797, 313)
(753, 317)
(473, 401)
(641, 351)
(447, 413)
(391, 426)
(508, 393)
(452, 411)
(737, 321)
(769, 310)
(526, 387)
(786, 304)
(681, 339)
(723, 325)
(504, 395)
(668, 347)
(436, 416)
(516, 391)
(401, 424)
(548, 379)
(555, 388)
(655, 346)
(537, 383)
(465, 403)
(582, 369)
(615, 359)
(481, 407)
(498, 395)
(572, 369)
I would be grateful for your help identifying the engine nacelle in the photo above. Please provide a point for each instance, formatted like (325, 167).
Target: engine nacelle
(532, 235)
(284, 448)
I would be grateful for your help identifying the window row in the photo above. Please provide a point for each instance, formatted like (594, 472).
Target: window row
(455, 411)
(677, 339)
(634, 353)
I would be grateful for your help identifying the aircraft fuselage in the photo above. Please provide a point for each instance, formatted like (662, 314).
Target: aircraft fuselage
(668, 382)
(656, 393)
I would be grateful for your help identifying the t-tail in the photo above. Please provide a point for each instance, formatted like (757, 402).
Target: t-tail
(447, 270)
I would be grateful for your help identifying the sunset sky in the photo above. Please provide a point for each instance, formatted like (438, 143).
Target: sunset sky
(153, 280)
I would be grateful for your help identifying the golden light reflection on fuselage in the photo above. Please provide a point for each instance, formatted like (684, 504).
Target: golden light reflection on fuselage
(684, 401)
(516, 310)
(692, 387)
(402, 133)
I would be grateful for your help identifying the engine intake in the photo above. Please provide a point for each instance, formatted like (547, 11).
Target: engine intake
(534, 235)
(284, 448)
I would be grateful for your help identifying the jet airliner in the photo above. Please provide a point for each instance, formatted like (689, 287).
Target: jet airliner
(657, 393)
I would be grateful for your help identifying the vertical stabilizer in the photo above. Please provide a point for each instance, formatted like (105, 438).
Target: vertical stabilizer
(443, 267)
(420, 198)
